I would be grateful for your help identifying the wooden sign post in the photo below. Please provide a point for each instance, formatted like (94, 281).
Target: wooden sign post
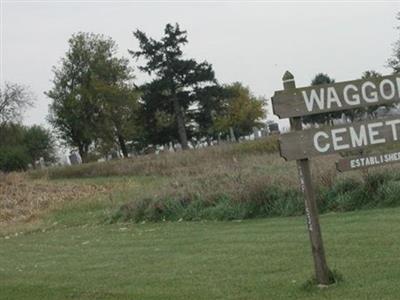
(300, 145)
(314, 230)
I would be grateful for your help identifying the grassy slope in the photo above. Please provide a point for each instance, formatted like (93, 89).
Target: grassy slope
(67, 251)
(255, 259)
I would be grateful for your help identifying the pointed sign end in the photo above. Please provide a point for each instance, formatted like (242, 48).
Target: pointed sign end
(287, 76)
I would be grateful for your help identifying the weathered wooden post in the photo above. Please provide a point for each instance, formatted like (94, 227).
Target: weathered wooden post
(311, 210)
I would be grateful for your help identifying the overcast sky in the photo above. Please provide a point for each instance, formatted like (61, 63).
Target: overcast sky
(253, 42)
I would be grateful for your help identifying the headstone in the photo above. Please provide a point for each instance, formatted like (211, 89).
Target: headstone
(115, 154)
(256, 133)
(74, 158)
(273, 128)
(41, 163)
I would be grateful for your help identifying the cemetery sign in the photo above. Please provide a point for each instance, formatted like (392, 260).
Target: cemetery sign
(300, 145)
(337, 96)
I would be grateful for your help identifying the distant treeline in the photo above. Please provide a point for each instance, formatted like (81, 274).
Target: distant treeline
(97, 108)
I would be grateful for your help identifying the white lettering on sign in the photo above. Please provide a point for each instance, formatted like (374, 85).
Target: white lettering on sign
(314, 97)
(333, 98)
(323, 98)
(387, 83)
(374, 160)
(355, 98)
(317, 143)
(359, 138)
(393, 123)
(339, 139)
(368, 91)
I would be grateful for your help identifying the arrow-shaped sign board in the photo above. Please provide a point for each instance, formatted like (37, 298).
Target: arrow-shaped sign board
(347, 137)
(340, 96)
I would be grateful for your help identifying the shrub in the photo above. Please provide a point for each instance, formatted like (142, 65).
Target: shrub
(258, 201)
(388, 194)
(13, 159)
(271, 201)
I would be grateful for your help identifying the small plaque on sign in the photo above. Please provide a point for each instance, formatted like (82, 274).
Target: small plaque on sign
(367, 161)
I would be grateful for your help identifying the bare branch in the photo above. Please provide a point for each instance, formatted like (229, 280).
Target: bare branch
(14, 100)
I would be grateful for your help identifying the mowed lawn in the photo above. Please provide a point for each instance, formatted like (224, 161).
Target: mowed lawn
(253, 259)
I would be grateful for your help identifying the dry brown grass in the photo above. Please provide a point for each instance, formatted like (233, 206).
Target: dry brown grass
(240, 177)
(167, 164)
(236, 170)
(22, 199)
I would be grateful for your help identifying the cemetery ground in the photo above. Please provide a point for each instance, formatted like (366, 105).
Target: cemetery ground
(80, 233)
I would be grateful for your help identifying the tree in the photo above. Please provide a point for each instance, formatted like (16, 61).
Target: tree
(326, 118)
(21, 145)
(394, 61)
(14, 99)
(39, 142)
(119, 114)
(78, 102)
(242, 111)
(177, 78)
(157, 115)
(211, 105)
(11, 134)
(370, 74)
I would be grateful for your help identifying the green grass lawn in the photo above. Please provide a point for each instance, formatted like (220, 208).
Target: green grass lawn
(253, 259)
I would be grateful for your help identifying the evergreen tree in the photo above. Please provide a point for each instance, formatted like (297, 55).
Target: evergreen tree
(176, 80)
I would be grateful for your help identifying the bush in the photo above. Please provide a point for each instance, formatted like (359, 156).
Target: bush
(388, 194)
(271, 201)
(257, 201)
(13, 158)
(377, 189)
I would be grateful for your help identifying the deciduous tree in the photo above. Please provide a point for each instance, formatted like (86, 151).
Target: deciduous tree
(79, 105)
(242, 111)
(394, 61)
(14, 99)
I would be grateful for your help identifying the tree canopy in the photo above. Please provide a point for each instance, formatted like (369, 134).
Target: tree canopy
(14, 99)
(87, 86)
(177, 80)
(241, 111)
(96, 107)
(394, 61)
(23, 145)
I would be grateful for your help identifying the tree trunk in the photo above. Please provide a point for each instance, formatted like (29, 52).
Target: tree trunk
(208, 140)
(122, 144)
(232, 134)
(83, 151)
(181, 124)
